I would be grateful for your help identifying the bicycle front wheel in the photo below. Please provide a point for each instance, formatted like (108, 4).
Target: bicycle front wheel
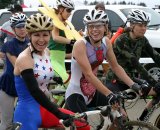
(139, 125)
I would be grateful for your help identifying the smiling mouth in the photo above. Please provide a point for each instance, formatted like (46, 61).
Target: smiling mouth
(41, 44)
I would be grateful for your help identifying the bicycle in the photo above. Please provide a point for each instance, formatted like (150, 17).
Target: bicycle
(110, 119)
(16, 126)
(101, 124)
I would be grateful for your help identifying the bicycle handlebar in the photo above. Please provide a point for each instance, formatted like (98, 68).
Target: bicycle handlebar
(145, 86)
(16, 126)
(141, 81)
(77, 117)
(105, 111)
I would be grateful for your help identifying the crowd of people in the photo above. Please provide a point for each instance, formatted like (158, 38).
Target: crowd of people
(34, 51)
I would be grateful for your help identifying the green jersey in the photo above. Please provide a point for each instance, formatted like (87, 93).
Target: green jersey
(53, 45)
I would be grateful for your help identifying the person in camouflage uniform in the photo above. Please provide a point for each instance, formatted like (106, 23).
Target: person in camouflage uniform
(128, 48)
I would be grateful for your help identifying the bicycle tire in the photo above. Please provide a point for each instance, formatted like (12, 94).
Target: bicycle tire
(154, 117)
(142, 125)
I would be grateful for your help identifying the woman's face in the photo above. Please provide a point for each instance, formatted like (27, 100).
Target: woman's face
(96, 30)
(139, 29)
(66, 12)
(20, 32)
(40, 39)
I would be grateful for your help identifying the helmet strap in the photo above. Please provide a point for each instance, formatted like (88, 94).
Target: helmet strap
(34, 50)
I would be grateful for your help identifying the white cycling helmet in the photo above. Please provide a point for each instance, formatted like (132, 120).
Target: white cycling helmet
(95, 16)
(39, 22)
(65, 3)
(138, 16)
(18, 19)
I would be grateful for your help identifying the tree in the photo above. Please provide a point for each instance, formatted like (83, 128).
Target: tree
(85, 2)
(122, 3)
(4, 3)
(114, 3)
(94, 3)
(131, 3)
(142, 4)
(108, 3)
(7, 3)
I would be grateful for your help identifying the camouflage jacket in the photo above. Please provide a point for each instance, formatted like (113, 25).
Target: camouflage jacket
(128, 53)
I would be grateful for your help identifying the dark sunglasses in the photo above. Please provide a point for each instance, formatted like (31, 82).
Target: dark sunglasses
(69, 10)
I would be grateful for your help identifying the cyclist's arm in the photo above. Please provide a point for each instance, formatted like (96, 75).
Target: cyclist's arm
(11, 58)
(56, 37)
(11, 52)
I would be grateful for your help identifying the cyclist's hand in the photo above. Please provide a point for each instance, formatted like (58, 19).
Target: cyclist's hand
(112, 99)
(58, 80)
(145, 89)
(137, 88)
(72, 42)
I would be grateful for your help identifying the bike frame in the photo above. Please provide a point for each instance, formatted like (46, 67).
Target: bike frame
(114, 113)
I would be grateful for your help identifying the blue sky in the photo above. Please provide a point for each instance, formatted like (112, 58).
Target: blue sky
(149, 3)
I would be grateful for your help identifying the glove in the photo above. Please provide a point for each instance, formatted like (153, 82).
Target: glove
(58, 80)
(112, 99)
(63, 116)
(145, 89)
(72, 42)
(156, 88)
(136, 87)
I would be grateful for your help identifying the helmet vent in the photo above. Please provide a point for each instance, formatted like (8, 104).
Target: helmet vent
(40, 20)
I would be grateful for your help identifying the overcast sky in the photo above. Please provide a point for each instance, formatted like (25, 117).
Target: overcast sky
(149, 3)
